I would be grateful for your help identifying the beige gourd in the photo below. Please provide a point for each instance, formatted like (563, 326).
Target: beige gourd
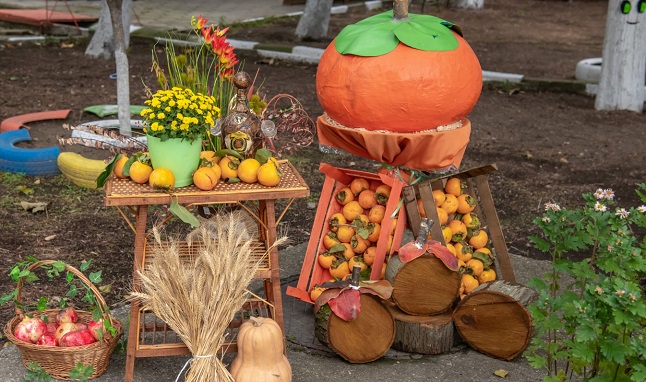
(260, 353)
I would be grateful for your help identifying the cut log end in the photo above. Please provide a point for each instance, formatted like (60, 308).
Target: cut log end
(424, 286)
(493, 322)
(363, 340)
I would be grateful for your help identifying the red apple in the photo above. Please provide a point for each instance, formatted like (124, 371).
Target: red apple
(66, 315)
(63, 329)
(96, 328)
(77, 338)
(30, 329)
(51, 327)
(47, 339)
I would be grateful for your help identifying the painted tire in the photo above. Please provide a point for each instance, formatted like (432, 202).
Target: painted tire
(589, 70)
(80, 170)
(35, 162)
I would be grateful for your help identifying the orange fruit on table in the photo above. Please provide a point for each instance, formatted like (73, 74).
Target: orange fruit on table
(359, 184)
(361, 220)
(367, 199)
(393, 226)
(210, 156)
(140, 172)
(454, 186)
(463, 251)
(447, 233)
(471, 220)
(118, 167)
(344, 196)
(382, 193)
(348, 253)
(466, 203)
(269, 174)
(352, 210)
(248, 170)
(228, 167)
(162, 178)
(205, 178)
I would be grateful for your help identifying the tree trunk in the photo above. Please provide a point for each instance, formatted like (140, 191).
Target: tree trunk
(493, 319)
(470, 4)
(424, 286)
(102, 43)
(423, 334)
(623, 69)
(363, 340)
(315, 20)
(121, 59)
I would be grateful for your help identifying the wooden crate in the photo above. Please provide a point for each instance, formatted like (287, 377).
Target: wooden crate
(336, 179)
(478, 187)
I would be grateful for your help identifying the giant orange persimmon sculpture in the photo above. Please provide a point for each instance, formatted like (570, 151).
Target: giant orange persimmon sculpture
(399, 73)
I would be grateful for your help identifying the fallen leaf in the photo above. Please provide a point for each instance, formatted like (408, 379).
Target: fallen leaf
(67, 45)
(501, 373)
(410, 251)
(34, 207)
(25, 190)
(50, 238)
(37, 181)
(106, 288)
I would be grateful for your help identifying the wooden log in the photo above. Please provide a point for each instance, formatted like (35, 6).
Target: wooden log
(423, 334)
(424, 286)
(493, 319)
(363, 340)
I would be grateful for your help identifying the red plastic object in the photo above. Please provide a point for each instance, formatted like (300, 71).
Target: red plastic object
(18, 121)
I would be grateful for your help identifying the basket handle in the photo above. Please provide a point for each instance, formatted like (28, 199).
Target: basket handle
(97, 294)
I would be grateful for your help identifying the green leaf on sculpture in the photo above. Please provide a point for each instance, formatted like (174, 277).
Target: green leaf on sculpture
(380, 34)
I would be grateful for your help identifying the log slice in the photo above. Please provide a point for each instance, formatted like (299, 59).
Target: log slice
(493, 319)
(363, 340)
(423, 334)
(424, 286)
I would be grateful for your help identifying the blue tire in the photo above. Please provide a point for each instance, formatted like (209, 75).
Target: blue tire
(35, 162)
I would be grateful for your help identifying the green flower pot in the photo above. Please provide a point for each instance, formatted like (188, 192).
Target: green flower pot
(181, 156)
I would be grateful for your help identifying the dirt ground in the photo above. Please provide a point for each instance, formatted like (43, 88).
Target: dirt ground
(548, 146)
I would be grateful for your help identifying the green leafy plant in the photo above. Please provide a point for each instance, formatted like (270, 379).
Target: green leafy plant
(590, 315)
(35, 373)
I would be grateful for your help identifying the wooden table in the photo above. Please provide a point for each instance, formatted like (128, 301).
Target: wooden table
(148, 336)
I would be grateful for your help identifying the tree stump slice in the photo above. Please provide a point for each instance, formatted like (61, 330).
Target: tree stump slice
(363, 340)
(493, 319)
(423, 334)
(424, 286)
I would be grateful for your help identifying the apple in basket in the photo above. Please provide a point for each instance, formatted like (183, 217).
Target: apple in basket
(96, 328)
(47, 339)
(30, 329)
(66, 315)
(77, 338)
(51, 327)
(63, 329)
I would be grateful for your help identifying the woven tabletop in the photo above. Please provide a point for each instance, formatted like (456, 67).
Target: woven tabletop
(126, 192)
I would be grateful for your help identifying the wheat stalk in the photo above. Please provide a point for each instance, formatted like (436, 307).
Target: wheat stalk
(199, 299)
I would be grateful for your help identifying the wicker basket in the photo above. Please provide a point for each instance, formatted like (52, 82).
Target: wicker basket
(59, 361)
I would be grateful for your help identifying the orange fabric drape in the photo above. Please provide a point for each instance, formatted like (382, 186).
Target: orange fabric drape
(425, 151)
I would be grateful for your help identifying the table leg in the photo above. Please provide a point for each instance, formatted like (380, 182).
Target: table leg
(272, 285)
(133, 327)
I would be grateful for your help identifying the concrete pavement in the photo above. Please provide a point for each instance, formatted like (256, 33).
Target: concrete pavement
(311, 361)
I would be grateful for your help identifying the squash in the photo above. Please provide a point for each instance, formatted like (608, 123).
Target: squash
(260, 353)
(399, 73)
